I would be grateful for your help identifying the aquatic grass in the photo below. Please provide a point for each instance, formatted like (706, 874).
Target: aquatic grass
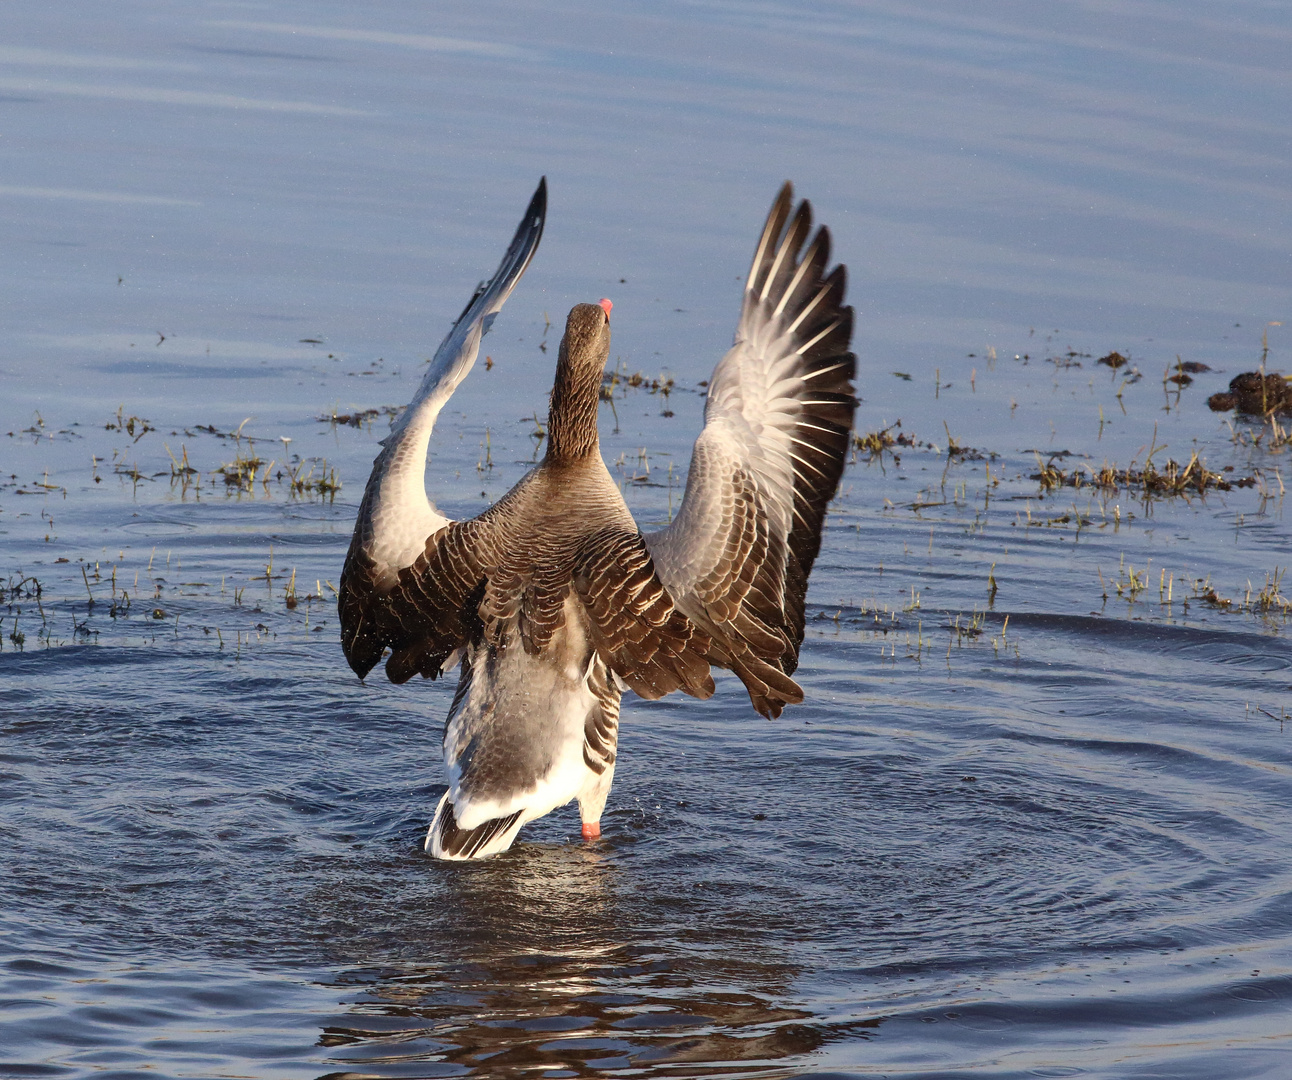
(180, 467)
(1272, 436)
(620, 377)
(876, 442)
(240, 473)
(1129, 583)
(1148, 481)
(131, 473)
(300, 482)
(1270, 600)
(1150, 474)
(887, 440)
(886, 624)
(134, 426)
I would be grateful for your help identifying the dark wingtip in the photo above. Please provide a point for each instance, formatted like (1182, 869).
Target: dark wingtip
(361, 647)
(528, 233)
(361, 660)
(538, 204)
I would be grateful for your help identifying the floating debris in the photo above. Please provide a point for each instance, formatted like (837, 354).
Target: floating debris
(1072, 359)
(1181, 373)
(360, 416)
(241, 472)
(965, 453)
(636, 380)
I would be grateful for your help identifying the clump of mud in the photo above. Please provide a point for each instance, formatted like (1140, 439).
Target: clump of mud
(1255, 394)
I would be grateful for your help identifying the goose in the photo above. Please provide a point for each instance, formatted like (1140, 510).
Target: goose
(552, 603)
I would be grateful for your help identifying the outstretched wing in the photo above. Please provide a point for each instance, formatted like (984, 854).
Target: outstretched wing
(777, 423)
(405, 575)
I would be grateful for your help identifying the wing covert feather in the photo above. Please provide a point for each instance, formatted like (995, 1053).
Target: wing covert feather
(427, 614)
(637, 630)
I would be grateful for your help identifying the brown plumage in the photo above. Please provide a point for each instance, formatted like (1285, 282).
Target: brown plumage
(554, 601)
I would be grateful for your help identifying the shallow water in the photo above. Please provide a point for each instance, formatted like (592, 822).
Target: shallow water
(1039, 830)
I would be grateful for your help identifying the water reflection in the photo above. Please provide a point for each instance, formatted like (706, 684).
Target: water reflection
(537, 969)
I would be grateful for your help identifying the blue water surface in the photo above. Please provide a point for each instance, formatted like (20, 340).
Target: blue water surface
(1033, 817)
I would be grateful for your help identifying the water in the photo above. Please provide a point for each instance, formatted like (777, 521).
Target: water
(1050, 846)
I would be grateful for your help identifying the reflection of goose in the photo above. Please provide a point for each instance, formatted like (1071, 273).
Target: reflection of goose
(619, 1012)
(552, 599)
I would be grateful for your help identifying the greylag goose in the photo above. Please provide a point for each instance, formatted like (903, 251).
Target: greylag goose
(552, 602)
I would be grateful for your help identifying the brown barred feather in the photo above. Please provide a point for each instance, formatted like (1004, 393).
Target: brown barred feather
(601, 728)
(425, 614)
(641, 636)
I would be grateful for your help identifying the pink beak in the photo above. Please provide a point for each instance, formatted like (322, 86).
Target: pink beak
(606, 305)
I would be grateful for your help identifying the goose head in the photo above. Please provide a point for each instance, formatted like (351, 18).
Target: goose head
(572, 419)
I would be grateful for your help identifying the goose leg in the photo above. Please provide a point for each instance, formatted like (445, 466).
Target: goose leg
(592, 800)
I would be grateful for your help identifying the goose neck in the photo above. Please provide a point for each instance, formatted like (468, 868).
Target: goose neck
(572, 418)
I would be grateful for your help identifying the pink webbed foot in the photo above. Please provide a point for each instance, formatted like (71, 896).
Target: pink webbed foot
(591, 830)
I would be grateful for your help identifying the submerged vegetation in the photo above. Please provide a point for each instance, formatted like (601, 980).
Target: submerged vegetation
(877, 443)
(1266, 602)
